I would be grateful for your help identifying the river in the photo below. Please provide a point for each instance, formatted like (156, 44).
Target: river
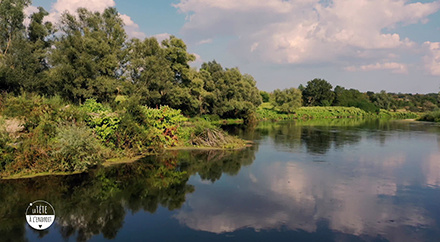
(331, 180)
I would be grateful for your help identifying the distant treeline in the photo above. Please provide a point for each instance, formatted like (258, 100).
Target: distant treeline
(319, 92)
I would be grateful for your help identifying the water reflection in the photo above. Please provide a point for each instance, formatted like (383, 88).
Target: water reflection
(96, 203)
(375, 188)
(380, 181)
(317, 137)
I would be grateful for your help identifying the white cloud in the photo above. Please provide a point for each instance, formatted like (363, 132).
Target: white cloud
(432, 59)
(162, 36)
(71, 6)
(131, 27)
(204, 41)
(297, 196)
(308, 31)
(393, 66)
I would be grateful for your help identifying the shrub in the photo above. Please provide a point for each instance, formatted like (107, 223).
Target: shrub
(6, 150)
(35, 110)
(77, 149)
(102, 120)
(163, 125)
(431, 116)
(131, 137)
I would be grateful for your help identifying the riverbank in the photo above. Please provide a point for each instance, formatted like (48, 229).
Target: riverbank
(47, 136)
(40, 135)
(267, 112)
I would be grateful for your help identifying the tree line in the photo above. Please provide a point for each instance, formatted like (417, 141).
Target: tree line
(319, 92)
(88, 55)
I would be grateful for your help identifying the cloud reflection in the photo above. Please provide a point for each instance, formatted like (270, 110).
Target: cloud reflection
(357, 198)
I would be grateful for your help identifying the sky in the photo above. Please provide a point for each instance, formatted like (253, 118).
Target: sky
(369, 45)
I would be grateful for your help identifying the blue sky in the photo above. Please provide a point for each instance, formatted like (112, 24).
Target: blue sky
(375, 45)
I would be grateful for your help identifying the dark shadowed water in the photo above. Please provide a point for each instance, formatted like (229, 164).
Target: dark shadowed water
(337, 180)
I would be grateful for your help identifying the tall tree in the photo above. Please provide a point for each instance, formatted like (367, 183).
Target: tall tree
(12, 33)
(149, 71)
(175, 52)
(233, 95)
(26, 63)
(318, 92)
(90, 54)
(11, 22)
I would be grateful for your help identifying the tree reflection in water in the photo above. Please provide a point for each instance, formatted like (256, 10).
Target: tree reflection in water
(95, 203)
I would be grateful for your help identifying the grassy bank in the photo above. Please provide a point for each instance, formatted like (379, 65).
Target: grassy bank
(267, 112)
(48, 136)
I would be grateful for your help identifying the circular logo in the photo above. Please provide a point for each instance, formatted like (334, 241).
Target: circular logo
(40, 215)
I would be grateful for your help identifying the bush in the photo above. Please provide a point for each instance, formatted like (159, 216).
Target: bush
(431, 116)
(143, 127)
(163, 125)
(131, 137)
(6, 150)
(77, 149)
(37, 111)
(102, 120)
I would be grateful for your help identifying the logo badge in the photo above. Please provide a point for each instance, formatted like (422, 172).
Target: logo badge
(40, 215)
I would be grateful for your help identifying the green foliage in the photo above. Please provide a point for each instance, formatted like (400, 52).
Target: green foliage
(397, 115)
(353, 98)
(11, 22)
(267, 113)
(89, 55)
(6, 149)
(131, 137)
(431, 116)
(163, 125)
(25, 66)
(270, 114)
(330, 112)
(264, 96)
(149, 71)
(318, 92)
(287, 100)
(383, 100)
(103, 122)
(175, 52)
(229, 93)
(77, 149)
(45, 113)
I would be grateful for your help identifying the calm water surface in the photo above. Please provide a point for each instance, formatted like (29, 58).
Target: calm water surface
(338, 180)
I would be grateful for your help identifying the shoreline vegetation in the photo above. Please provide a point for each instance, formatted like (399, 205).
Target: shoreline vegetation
(433, 116)
(83, 95)
(267, 112)
(44, 136)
